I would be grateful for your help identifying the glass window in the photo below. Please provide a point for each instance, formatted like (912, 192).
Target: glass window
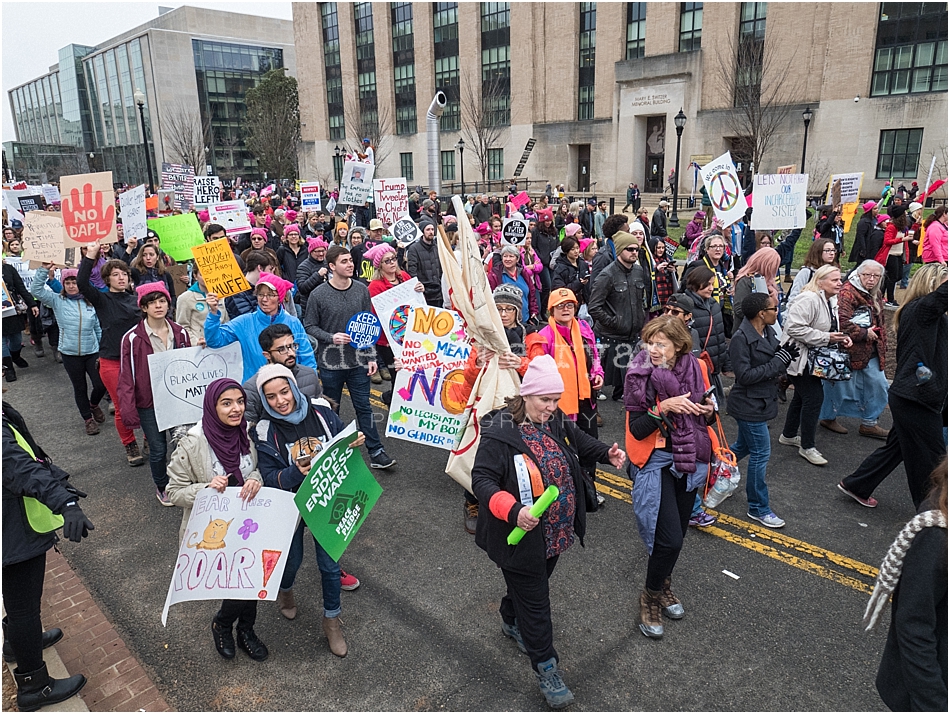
(448, 165)
(496, 64)
(751, 48)
(911, 51)
(586, 66)
(898, 153)
(496, 164)
(691, 26)
(446, 49)
(405, 165)
(636, 29)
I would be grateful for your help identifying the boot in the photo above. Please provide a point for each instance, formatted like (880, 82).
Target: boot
(133, 454)
(552, 686)
(223, 640)
(377, 378)
(286, 604)
(8, 372)
(248, 641)
(651, 622)
(671, 605)
(50, 638)
(58, 357)
(92, 427)
(37, 689)
(18, 360)
(386, 375)
(38, 346)
(334, 633)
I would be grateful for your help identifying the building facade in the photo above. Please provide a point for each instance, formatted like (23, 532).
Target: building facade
(598, 86)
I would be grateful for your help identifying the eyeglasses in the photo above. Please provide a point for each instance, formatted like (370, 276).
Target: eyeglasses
(506, 309)
(388, 261)
(267, 296)
(717, 246)
(828, 250)
(673, 311)
(284, 349)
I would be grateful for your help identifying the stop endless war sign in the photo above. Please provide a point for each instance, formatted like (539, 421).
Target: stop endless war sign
(219, 268)
(337, 494)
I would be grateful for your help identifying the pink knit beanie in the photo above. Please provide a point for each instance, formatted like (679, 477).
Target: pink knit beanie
(542, 377)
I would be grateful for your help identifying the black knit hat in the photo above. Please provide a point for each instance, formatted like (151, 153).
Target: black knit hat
(895, 210)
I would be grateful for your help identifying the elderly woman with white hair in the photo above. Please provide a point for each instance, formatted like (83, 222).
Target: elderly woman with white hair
(861, 317)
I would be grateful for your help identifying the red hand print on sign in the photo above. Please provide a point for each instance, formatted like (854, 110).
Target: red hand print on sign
(84, 216)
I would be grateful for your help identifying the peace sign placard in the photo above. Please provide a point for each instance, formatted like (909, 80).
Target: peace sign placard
(725, 191)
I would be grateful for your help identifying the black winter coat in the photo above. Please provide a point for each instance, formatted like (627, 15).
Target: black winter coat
(494, 471)
(14, 283)
(617, 303)
(308, 278)
(859, 251)
(569, 276)
(922, 337)
(422, 260)
(754, 396)
(658, 224)
(544, 245)
(705, 310)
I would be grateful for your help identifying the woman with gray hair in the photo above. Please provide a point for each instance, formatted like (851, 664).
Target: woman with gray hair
(861, 317)
(508, 270)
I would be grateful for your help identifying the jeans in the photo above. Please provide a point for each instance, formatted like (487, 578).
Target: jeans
(157, 447)
(804, 409)
(78, 367)
(329, 572)
(545, 277)
(357, 381)
(905, 275)
(12, 344)
(109, 372)
(22, 593)
(528, 601)
(753, 441)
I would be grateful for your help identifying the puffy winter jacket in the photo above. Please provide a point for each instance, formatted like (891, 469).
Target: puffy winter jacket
(79, 329)
(704, 311)
(308, 278)
(423, 263)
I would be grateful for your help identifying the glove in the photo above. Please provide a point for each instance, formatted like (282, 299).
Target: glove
(788, 353)
(77, 526)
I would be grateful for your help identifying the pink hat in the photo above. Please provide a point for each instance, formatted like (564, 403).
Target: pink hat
(868, 206)
(572, 229)
(259, 232)
(204, 216)
(279, 285)
(699, 214)
(377, 253)
(267, 220)
(585, 244)
(882, 218)
(290, 215)
(68, 274)
(292, 228)
(545, 214)
(542, 377)
(146, 288)
(250, 217)
(314, 243)
(483, 229)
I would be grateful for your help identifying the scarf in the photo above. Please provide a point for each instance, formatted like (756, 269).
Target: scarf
(228, 443)
(571, 362)
(297, 415)
(890, 572)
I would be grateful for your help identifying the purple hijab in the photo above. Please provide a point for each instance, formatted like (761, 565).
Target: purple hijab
(228, 443)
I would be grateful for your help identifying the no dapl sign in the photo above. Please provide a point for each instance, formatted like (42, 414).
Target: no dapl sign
(514, 231)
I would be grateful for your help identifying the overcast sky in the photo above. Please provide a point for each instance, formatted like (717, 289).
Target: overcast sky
(34, 32)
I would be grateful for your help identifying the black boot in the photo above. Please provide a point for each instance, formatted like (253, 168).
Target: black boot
(18, 360)
(50, 638)
(251, 644)
(223, 640)
(37, 689)
(8, 372)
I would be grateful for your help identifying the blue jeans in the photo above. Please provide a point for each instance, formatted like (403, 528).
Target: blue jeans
(12, 343)
(329, 572)
(157, 447)
(753, 441)
(357, 381)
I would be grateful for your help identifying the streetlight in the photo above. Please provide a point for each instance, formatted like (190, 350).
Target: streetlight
(139, 98)
(806, 117)
(461, 147)
(680, 121)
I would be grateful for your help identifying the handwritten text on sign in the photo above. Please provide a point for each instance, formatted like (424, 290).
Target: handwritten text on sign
(778, 201)
(43, 235)
(132, 207)
(88, 208)
(179, 379)
(219, 268)
(392, 199)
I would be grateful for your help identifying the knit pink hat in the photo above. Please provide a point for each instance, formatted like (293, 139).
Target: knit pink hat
(483, 229)
(585, 244)
(146, 288)
(377, 253)
(882, 218)
(204, 216)
(545, 214)
(259, 232)
(291, 228)
(279, 285)
(572, 229)
(290, 215)
(542, 377)
(314, 243)
(868, 206)
(68, 274)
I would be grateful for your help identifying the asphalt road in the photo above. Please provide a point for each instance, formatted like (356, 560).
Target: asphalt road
(424, 631)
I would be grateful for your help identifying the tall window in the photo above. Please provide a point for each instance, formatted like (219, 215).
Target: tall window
(911, 51)
(445, 29)
(636, 29)
(338, 168)
(404, 68)
(333, 69)
(899, 153)
(691, 26)
(448, 165)
(585, 74)
(496, 164)
(366, 68)
(751, 47)
(405, 165)
(496, 63)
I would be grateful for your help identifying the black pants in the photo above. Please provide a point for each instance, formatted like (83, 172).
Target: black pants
(920, 434)
(528, 601)
(876, 467)
(78, 368)
(244, 611)
(892, 274)
(672, 522)
(804, 410)
(22, 592)
(587, 422)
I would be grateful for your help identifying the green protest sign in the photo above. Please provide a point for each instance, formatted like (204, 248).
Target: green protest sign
(337, 494)
(178, 234)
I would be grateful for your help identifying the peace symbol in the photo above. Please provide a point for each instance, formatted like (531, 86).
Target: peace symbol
(724, 191)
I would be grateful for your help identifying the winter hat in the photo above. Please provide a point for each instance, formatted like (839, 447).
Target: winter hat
(272, 370)
(572, 229)
(290, 215)
(314, 243)
(68, 274)
(868, 206)
(146, 288)
(342, 224)
(699, 214)
(204, 216)
(637, 227)
(561, 295)
(508, 294)
(545, 214)
(914, 207)
(259, 232)
(622, 241)
(377, 253)
(267, 221)
(291, 228)
(883, 218)
(450, 223)
(542, 377)
(279, 285)
(511, 250)
(895, 210)
(483, 229)
(585, 244)
(250, 217)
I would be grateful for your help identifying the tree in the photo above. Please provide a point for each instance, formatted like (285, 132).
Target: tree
(375, 124)
(481, 122)
(272, 124)
(185, 135)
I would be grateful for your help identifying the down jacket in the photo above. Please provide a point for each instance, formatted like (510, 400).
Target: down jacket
(704, 311)
(422, 262)
(79, 329)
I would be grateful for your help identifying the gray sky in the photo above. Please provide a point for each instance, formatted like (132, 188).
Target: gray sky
(34, 32)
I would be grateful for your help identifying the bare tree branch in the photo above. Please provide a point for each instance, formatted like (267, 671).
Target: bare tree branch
(186, 135)
(377, 127)
(819, 171)
(480, 121)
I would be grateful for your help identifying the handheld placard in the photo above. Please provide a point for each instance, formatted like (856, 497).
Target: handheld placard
(539, 507)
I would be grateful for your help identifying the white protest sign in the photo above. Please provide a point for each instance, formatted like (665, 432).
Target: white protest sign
(778, 201)
(391, 199)
(22, 266)
(230, 214)
(356, 185)
(725, 191)
(132, 208)
(51, 194)
(850, 186)
(179, 378)
(12, 206)
(405, 230)
(233, 549)
(310, 196)
(207, 190)
(514, 231)
(393, 307)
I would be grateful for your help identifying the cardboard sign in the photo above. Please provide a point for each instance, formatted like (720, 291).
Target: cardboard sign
(364, 330)
(405, 230)
(514, 231)
(426, 406)
(790, 169)
(43, 238)
(778, 201)
(520, 199)
(132, 208)
(338, 493)
(180, 180)
(88, 209)
(725, 191)
(356, 185)
(178, 234)
(151, 203)
(179, 379)
(394, 307)
(233, 549)
(230, 214)
(219, 268)
(391, 199)
(850, 186)
(30, 203)
(207, 190)
(178, 271)
(310, 196)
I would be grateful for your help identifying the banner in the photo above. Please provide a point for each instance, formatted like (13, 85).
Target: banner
(725, 191)
(520, 199)
(778, 201)
(207, 190)
(132, 208)
(43, 238)
(338, 493)
(393, 307)
(88, 209)
(391, 198)
(230, 214)
(30, 203)
(179, 378)
(219, 268)
(426, 407)
(179, 179)
(850, 186)
(22, 266)
(233, 549)
(178, 234)
(310, 196)
(356, 185)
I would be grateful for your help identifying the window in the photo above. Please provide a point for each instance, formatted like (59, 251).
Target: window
(448, 165)
(911, 51)
(496, 164)
(338, 168)
(751, 48)
(405, 166)
(636, 29)
(445, 27)
(899, 153)
(366, 68)
(496, 63)
(585, 74)
(691, 26)
(404, 68)
(334, 72)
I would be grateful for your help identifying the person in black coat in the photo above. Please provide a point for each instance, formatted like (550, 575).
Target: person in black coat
(707, 318)
(14, 324)
(37, 500)
(571, 271)
(866, 224)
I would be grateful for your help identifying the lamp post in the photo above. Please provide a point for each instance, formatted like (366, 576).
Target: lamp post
(806, 117)
(461, 147)
(337, 152)
(139, 98)
(680, 121)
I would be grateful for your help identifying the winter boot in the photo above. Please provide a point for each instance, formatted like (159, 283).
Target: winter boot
(37, 689)
(50, 638)
(248, 641)
(8, 372)
(671, 605)
(552, 686)
(38, 346)
(286, 604)
(223, 640)
(92, 427)
(651, 622)
(133, 454)
(18, 360)
(334, 633)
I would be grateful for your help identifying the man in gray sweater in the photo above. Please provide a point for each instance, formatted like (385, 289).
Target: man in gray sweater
(329, 308)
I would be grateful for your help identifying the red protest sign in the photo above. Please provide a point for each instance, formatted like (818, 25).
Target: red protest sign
(88, 207)
(521, 199)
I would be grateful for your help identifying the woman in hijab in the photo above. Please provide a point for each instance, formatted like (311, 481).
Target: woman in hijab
(760, 271)
(217, 453)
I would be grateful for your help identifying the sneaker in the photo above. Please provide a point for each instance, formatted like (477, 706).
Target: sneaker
(869, 502)
(702, 520)
(514, 633)
(601, 397)
(133, 454)
(769, 520)
(163, 498)
(377, 378)
(892, 303)
(381, 460)
(92, 428)
(111, 407)
(601, 500)
(790, 441)
(470, 517)
(812, 456)
(347, 581)
(555, 692)
(97, 413)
